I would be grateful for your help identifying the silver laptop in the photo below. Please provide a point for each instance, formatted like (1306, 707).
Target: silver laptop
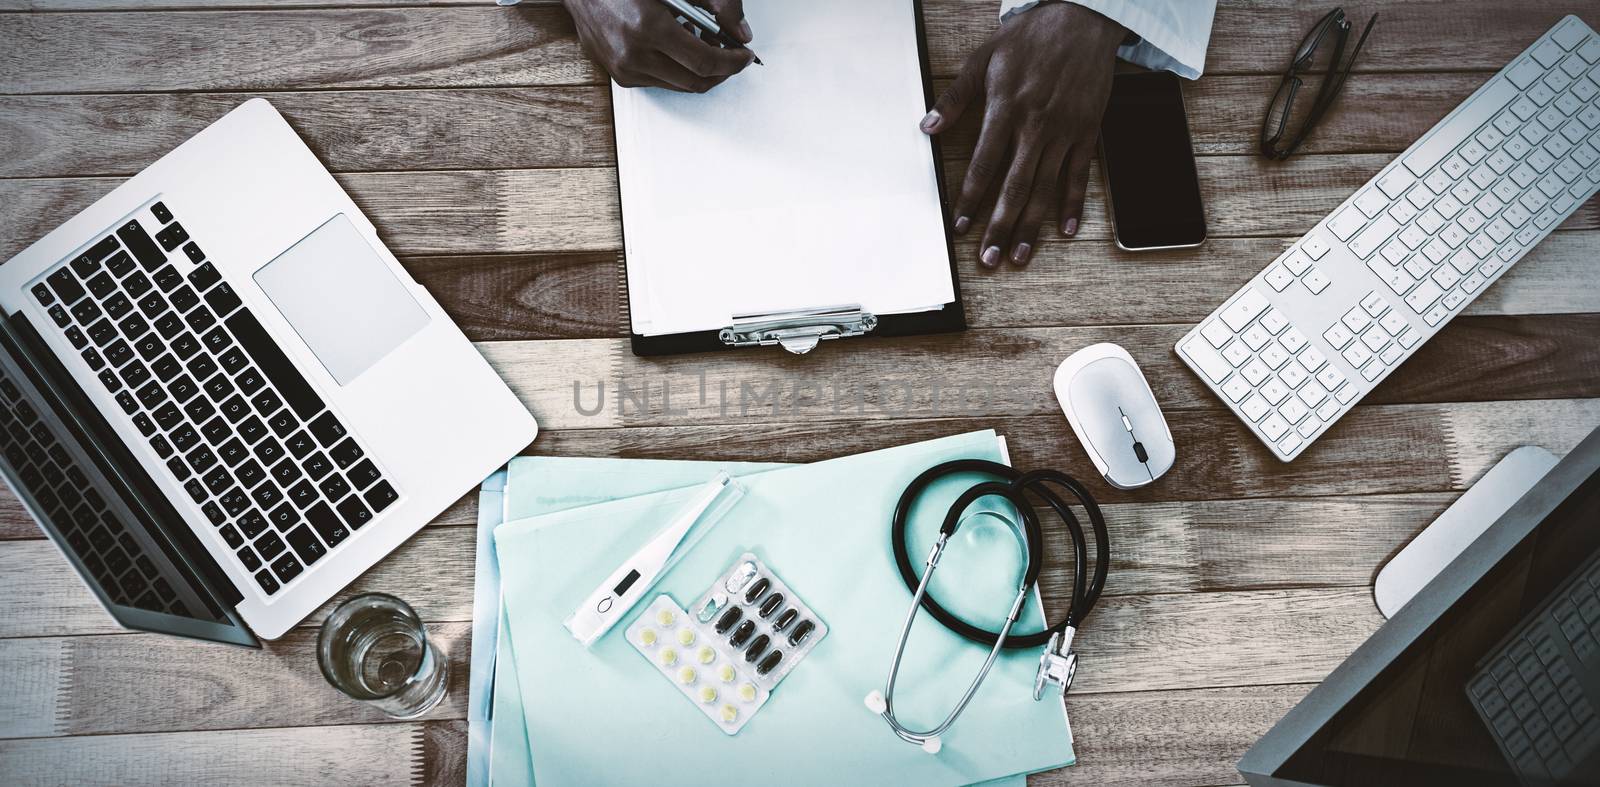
(224, 399)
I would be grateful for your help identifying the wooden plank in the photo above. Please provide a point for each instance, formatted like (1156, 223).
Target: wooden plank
(482, 46)
(362, 754)
(999, 372)
(538, 127)
(494, 128)
(1154, 738)
(150, 683)
(1168, 738)
(575, 210)
(1170, 536)
(312, 49)
(143, 683)
(1375, 449)
(576, 296)
(36, 675)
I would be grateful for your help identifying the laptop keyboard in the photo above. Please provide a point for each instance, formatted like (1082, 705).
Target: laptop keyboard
(112, 555)
(236, 424)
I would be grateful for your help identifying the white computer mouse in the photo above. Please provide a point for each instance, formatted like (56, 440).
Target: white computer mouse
(1115, 415)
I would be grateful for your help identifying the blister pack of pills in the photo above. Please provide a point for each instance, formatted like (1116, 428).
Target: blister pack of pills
(747, 632)
(752, 610)
(704, 667)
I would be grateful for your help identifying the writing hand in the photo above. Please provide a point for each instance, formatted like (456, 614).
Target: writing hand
(641, 44)
(1041, 83)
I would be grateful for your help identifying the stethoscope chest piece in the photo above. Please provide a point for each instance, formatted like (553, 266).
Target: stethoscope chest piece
(1058, 665)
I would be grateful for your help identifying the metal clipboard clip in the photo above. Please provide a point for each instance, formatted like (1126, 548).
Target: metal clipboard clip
(798, 331)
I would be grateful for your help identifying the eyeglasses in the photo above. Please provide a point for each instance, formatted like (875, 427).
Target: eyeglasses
(1335, 26)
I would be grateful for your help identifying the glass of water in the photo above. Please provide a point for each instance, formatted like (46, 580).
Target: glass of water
(375, 649)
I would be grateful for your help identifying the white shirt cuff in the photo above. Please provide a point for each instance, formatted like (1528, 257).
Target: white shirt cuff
(1173, 34)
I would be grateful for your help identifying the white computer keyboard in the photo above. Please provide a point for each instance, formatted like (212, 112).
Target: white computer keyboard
(1298, 346)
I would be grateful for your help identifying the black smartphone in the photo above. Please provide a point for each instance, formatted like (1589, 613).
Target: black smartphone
(1148, 162)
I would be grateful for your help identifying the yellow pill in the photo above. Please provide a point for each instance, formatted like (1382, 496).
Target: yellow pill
(687, 675)
(668, 656)
(747, 692)
(665, 617)
(730, 714)
(708, 695)
(726, 673)
(647, 638)
(686, 637)
(707, 655)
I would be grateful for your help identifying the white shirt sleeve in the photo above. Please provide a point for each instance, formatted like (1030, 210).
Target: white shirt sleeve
(1172, 33)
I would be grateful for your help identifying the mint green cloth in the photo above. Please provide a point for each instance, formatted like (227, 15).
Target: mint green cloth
(602, 714)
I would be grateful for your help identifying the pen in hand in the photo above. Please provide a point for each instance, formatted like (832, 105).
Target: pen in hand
(708, 24)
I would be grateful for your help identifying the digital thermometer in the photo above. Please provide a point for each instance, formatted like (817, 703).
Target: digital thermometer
(620, 591)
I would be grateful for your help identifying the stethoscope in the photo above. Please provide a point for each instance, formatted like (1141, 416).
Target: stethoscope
(1058, 664)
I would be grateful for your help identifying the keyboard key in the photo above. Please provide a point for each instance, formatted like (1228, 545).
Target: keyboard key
(286, 567)
(1248, 306)
(303, 494)
(251, 429)
(1217, 333)
(250, 474)
(354, 512)
(1279, 277)
(334, 487)
(235, 408)
(194, 253)
(364, 474)
(380, 496)
(346, 453)
(266, 495)
(222, 299)
(235, 502)
(1369, 239)
(248, 559)
(172, 237)
(204, 276)
(1255, 407)
(1274, 427)
(268, 583)
(1292, 340)
(1274, 391)
(200, 319)
(299, 445)
(331, 527)
(1255, 371)
(1236, 388)
(231, 535)
(199, 409)
(305, 544)
(1316, 281)
(318, 465)
(269, 451)
(1338, 336)
(1345, 223)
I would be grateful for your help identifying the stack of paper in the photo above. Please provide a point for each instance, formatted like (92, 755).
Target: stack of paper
(563, 714)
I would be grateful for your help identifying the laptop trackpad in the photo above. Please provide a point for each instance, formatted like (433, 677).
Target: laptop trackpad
(341, 298)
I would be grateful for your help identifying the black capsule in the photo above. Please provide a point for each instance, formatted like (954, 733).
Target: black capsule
(756, 590)
(769, 663)
(801, 632)
(785, 619)
(742, 634)
(773, 603)
(757, 647)
(728, 619)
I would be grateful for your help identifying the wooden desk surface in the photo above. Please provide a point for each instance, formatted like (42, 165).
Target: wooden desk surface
(477, 140)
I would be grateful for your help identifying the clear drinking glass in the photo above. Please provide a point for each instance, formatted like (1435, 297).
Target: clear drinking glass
(374, 648)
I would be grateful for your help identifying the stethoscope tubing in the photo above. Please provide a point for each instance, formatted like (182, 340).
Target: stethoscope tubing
(1086, 586)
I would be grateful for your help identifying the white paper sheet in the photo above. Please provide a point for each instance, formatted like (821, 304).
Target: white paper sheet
(803, 183)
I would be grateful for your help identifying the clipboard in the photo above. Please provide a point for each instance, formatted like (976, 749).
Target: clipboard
(796, 327)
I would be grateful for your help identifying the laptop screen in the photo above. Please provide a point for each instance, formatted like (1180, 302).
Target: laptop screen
(1502, 690)
(132, 550)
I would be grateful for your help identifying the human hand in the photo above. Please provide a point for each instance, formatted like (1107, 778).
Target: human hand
(641, 43)
(1041, 83)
